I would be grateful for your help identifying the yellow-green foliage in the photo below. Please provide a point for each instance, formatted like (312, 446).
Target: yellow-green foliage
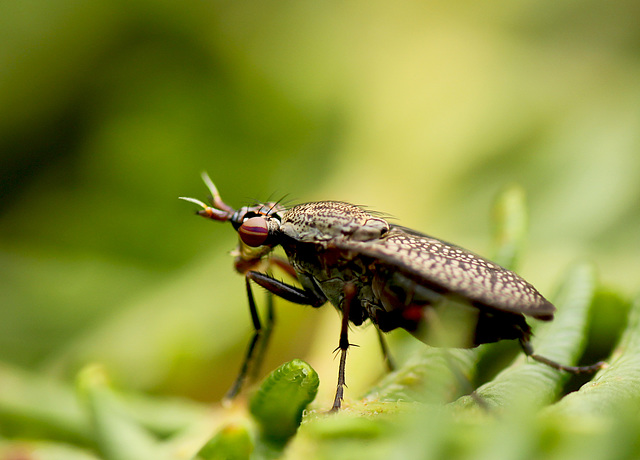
(122, 322)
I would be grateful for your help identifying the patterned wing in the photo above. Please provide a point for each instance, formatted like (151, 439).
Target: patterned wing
(453, 269)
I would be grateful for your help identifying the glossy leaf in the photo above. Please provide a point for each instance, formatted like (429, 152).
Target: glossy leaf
(278, 404)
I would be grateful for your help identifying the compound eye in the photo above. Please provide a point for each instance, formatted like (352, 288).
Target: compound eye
(253, 232)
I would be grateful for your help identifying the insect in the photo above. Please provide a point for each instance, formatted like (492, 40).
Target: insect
(371, 270)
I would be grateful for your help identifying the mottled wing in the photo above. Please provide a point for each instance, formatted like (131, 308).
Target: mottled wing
(453, 269)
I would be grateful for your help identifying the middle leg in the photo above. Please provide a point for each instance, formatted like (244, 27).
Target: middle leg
(349, 296)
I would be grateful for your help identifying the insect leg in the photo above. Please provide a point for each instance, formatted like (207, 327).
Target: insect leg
(284, 265)
(528, 350)
(261, 335)
(266, 335)
(286, 291)
(386, 356)
(268, 328)
(349, 296)
(248, 359)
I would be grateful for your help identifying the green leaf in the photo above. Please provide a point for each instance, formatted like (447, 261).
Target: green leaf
(35, 405)
(616, 389)
(431, 375)
(278, 404)
(119, 437)
(43, 450)
(233, 442)
(530, 382)
(510, 225)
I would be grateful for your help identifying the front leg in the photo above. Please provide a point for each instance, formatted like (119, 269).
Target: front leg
(261, 335)
(287, 291)
(258, 333)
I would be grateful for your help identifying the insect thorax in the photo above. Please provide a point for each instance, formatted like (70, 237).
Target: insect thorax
(325, 220)
(311, 229)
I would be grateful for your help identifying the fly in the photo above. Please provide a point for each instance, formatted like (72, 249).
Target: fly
(371, 270)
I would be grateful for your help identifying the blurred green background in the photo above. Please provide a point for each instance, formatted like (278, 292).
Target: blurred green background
(109, 110)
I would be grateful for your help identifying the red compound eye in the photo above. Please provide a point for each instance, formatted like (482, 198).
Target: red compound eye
(254, 231)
